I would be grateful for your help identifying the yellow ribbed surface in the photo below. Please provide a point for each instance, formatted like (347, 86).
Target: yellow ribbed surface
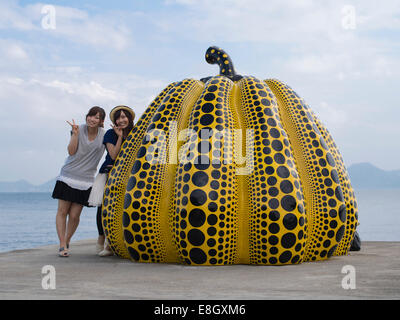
(348, 192)
(206, 225)
(318, 173)
(242, 144)
(229, 173)
(168, 196)
(142, 216)
(115, 188)
(277, 216)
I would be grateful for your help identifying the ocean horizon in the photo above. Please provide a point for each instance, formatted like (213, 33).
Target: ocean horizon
(28, 218)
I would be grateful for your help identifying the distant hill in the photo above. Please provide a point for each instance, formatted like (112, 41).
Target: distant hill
(365, 175)
(25, 186)
(362, 175)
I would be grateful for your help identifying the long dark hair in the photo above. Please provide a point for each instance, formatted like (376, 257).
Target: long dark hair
(97, 110)
(128, 129)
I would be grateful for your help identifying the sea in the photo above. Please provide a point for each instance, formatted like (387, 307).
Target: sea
(27, 220)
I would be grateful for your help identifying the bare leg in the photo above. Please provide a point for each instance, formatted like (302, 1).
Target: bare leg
(73, 220)
(61, 220)
(100, 240)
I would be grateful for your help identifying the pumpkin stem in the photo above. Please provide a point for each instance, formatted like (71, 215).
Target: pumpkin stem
(215, 55)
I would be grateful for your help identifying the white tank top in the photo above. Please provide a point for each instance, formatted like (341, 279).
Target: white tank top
(79, 169)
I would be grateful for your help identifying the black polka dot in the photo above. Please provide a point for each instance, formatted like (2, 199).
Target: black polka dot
(206, 119)
(288, 203)
(207, 107)
(197, 256)
(340, 233)
(330, 159)
(283, 172)
(198, 197)
(277, 145)
(323, 143)
(279, 158)
(342, 213)
(128, 236)
(286, 186)
(288, 240)
(273, 228)
(196, 237)
(334, 176)
(326, 243)
(285, 257)
(271, 122)
(136, 166)
(200, 178)
(211, 231)
(271, 181)
(212, 206)
(339, 193)
(127, 200)
(290, 221)
(212, 88)
(273, 203)
(274, 215)
(197, 217)
(134, 254)
(212, 219)
(141, 152)
(125, 220)
(213, 195)
(209, 96)
(265, 102)
(332, 250)
(273, 240)
(274, 133)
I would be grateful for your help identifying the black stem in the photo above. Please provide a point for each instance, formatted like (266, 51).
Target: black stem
(215, 55)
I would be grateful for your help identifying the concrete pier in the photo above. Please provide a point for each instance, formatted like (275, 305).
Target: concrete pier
(84, 275)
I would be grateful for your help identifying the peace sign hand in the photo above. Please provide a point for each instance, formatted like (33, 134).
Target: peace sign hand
(74, 126)
(117, 130)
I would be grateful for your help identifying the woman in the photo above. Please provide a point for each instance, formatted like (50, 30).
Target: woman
(122, 118)
(76, 178)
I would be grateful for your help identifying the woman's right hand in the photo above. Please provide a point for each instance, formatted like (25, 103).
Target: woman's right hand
(74, 126)
(118, 131)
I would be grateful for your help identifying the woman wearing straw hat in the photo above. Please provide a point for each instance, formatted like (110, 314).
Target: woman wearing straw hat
(122, 118)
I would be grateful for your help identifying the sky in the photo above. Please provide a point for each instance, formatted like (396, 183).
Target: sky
(59, 58)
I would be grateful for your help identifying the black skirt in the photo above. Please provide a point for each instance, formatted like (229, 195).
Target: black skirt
(63, 191)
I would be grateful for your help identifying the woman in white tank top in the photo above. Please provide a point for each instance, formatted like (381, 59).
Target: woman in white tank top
(76, 177)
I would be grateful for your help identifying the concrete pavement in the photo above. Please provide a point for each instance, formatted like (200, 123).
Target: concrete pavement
(86, 276)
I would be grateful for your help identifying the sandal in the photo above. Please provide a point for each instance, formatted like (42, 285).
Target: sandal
(62, 252)
(106, 253)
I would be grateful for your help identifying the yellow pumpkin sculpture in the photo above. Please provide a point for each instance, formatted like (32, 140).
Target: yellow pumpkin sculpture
(229, 170)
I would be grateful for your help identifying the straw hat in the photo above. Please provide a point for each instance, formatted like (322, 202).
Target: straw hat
(125, 108)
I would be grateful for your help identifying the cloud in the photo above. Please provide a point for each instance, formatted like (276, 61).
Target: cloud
(41, 103)
(331, 116)
(12, 16)
(309, 35)
(13, 51)
(108, 57)
(72, 24)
